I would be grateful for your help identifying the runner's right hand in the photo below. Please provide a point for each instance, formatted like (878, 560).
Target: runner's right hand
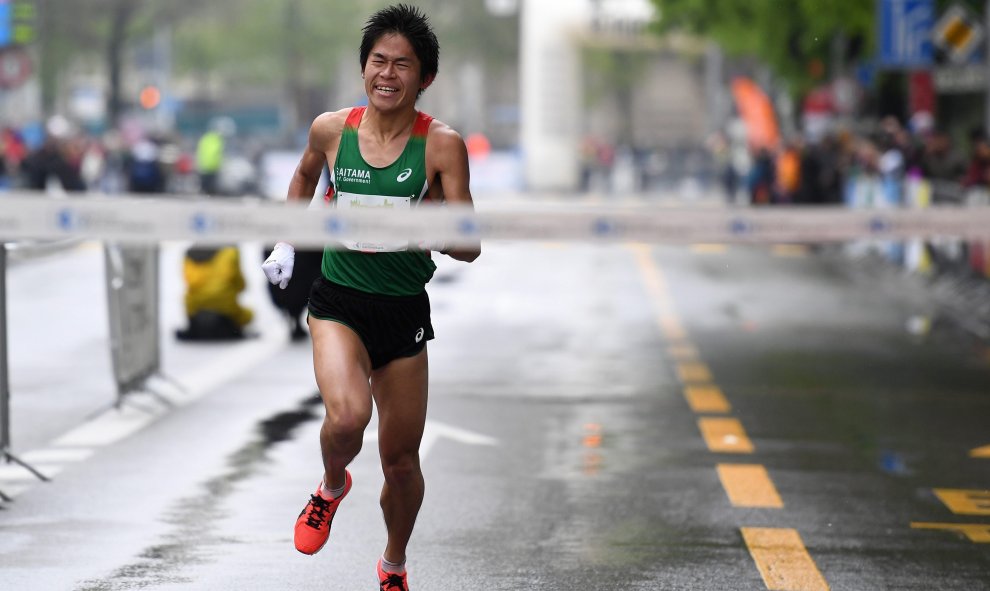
(278, 265)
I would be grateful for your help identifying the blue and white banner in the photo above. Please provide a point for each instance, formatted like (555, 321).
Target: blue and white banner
(141, 219)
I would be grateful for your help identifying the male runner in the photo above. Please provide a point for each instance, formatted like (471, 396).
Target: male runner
(369, 314)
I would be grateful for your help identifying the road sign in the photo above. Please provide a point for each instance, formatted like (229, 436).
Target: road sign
(958, 33)
(905, 33)
(15, 67)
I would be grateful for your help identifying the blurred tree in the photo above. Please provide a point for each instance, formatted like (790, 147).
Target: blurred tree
(250, 41)
(795, 38)
(295, 44)
(70, 29)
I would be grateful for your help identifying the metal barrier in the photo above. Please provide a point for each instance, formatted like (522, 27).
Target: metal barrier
(133, 303)
(5, 450)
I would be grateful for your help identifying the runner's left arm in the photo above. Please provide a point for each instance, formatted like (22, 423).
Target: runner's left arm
(449, 157)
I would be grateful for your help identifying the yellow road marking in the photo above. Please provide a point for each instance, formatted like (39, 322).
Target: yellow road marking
(981, 452)
(965, 502)
(683, 352)
(702, 248)
(707, 399)
(725, 435)
(672, 329)
(693, 371)
(652, 275)
(782, 559)
(656, 287)
(978, 533)
(749, 485)
(789, 250)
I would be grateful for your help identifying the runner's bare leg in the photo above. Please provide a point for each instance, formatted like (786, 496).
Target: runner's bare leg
(400, 392)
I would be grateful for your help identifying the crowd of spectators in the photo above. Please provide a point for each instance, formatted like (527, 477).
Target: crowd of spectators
(64, 157)
(802, 172)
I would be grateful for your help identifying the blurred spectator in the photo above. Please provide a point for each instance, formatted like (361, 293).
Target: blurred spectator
(978, 172)
(52, 160)
(144, 168)
(821, 172)
(294, 299)
(12, 152)
(942, 165)
(762, 178)
(213, 282)
(92, 167)
(788, 177)
(721, 151)
(5, 175)
(892, 162)
(210, 153)
(833, 158)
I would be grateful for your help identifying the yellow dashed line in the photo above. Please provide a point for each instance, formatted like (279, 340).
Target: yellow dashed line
(981, 452)
(783, 560)
(965, 502)
(693, 371)
(707, 399)
(779, 553)
(655, 282)
(656, 287)
(683, 352)
(725, 435)
(749, 485)
(978, 533)
(789, 250)
(702, 248)
(672, 328)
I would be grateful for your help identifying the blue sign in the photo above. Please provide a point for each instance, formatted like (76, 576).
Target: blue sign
(6, 23)
(905, 33)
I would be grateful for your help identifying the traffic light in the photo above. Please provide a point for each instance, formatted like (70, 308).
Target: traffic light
(150, 97)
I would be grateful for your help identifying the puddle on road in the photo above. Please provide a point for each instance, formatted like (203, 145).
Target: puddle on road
(189, 540)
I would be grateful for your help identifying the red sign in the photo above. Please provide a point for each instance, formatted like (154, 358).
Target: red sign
(15, 67)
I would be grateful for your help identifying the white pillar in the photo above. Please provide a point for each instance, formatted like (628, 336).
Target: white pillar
(551, 92)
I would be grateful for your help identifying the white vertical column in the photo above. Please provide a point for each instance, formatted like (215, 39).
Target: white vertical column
(551, 92)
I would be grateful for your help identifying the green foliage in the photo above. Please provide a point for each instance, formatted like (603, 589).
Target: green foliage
(787, 35)
(261, 42)
(269, 43)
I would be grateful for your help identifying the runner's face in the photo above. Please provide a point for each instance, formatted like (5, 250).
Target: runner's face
(392, 73)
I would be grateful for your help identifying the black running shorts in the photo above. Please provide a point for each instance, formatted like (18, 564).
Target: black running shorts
(389, 326)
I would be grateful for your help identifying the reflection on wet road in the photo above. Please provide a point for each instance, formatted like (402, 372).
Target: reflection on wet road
(602, 417)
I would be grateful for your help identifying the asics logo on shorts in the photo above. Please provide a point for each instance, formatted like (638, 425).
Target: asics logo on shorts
(405, 174)
(419, 335)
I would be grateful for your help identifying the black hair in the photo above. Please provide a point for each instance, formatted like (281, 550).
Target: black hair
(412, 24)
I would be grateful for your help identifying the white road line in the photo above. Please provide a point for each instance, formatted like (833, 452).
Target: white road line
(436, 431)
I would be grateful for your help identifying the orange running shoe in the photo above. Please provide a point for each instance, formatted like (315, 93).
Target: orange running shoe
(391, 581)
(313, 524)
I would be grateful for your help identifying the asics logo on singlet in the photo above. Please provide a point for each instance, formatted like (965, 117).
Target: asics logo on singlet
(353, 175)
(419, 335)
(405, 174)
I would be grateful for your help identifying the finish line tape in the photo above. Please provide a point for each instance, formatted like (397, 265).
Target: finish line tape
(143, 219)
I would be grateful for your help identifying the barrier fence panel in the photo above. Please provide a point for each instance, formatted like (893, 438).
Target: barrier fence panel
(4, 376)
(132, 293)
(7, 455)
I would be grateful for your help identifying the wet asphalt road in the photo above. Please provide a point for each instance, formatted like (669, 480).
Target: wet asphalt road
(603, 418)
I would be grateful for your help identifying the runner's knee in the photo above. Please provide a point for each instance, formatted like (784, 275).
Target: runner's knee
(344, 422)
(401, 468)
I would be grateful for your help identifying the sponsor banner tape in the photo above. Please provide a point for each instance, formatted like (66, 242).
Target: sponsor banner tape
(142, 219)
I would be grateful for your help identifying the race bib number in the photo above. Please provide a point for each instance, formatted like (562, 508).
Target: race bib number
(356, 201)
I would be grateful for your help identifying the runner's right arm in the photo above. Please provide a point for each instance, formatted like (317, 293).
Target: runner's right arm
(324, 136)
